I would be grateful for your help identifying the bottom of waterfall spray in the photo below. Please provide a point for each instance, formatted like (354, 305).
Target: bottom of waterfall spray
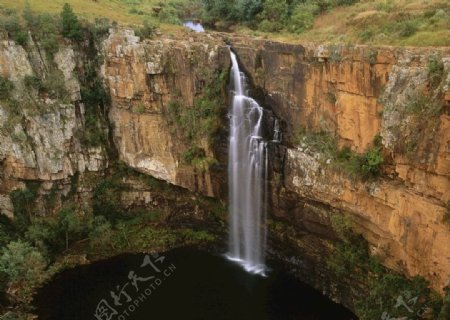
(258, 269)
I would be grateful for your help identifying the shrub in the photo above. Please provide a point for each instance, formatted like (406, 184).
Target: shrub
(33, 82)
(366, 34)
(192, 153)
(407, 28)
(420, 104)
(6, 87)
(100, 27)
(445, 310)
(7, 231)
(71, 28)
(44, 234)
(69, 223)
(373, 159)
(447, 213)
(386, 5)
(147, 31)
(169, 14)
(101, 232)
(23, 202)
(45, 29)
(54, 85)
(105, 200)
(321, 142)
(22, 262)
(435, 70)
(303, 17)
(139, 108)
(12, 25)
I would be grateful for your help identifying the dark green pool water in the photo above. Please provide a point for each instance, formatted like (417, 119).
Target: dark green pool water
(181, 284)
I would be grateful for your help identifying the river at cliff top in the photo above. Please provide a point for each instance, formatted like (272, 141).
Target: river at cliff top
(181, 284)
(196, 26)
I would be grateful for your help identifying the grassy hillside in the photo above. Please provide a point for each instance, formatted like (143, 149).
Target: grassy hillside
(124, 12)
(390, 22)
(379, 22)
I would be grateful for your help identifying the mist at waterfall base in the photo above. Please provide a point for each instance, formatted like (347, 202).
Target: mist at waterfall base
(203, 286)
(247, 170)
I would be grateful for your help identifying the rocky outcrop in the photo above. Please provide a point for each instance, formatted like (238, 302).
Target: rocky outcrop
(39, 132)
(144, 78)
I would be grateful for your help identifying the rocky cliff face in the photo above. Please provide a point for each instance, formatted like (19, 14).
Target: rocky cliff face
(145, 79)
(356, 93)
(156, 88)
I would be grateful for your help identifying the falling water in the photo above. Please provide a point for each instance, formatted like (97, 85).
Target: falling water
(247, 177)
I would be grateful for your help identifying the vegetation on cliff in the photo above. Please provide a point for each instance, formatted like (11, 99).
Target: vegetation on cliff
(98, 229)
(358, 166)
(201, 122)
(389, 294)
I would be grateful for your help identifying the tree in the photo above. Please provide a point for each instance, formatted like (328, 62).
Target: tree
(71, 27)
(100, 232)
(22, 262)
(69, 223)
(273, 15)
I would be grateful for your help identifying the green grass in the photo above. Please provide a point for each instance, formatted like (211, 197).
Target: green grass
(128, 13)
(379, 22)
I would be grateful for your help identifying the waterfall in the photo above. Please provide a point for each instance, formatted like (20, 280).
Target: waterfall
(247, 170)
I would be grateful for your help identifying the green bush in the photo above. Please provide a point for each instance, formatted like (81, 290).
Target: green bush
(373, 159)
(6, 87)
(421, 104)
(44, 234)
(303, 17)
(274, 13)
(147, 31)
(23, 202)
(105, 201)
(447, 213)
(366, 35)
(22, 262)
(101, 232)
(100, 27)
(45, 29)
(445, 310)
(33, 82)
(322, 142)
(407, 28)
(71, 27)
(169, 14)
(12, 25)
(54, 85)
(70, 224)
(95, 99)
(7, 231)
(192, 153)
(435, 70)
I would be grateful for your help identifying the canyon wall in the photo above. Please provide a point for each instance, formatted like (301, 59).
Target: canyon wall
(354, 93)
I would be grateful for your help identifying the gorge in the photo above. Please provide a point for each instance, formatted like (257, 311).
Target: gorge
(361, 171)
